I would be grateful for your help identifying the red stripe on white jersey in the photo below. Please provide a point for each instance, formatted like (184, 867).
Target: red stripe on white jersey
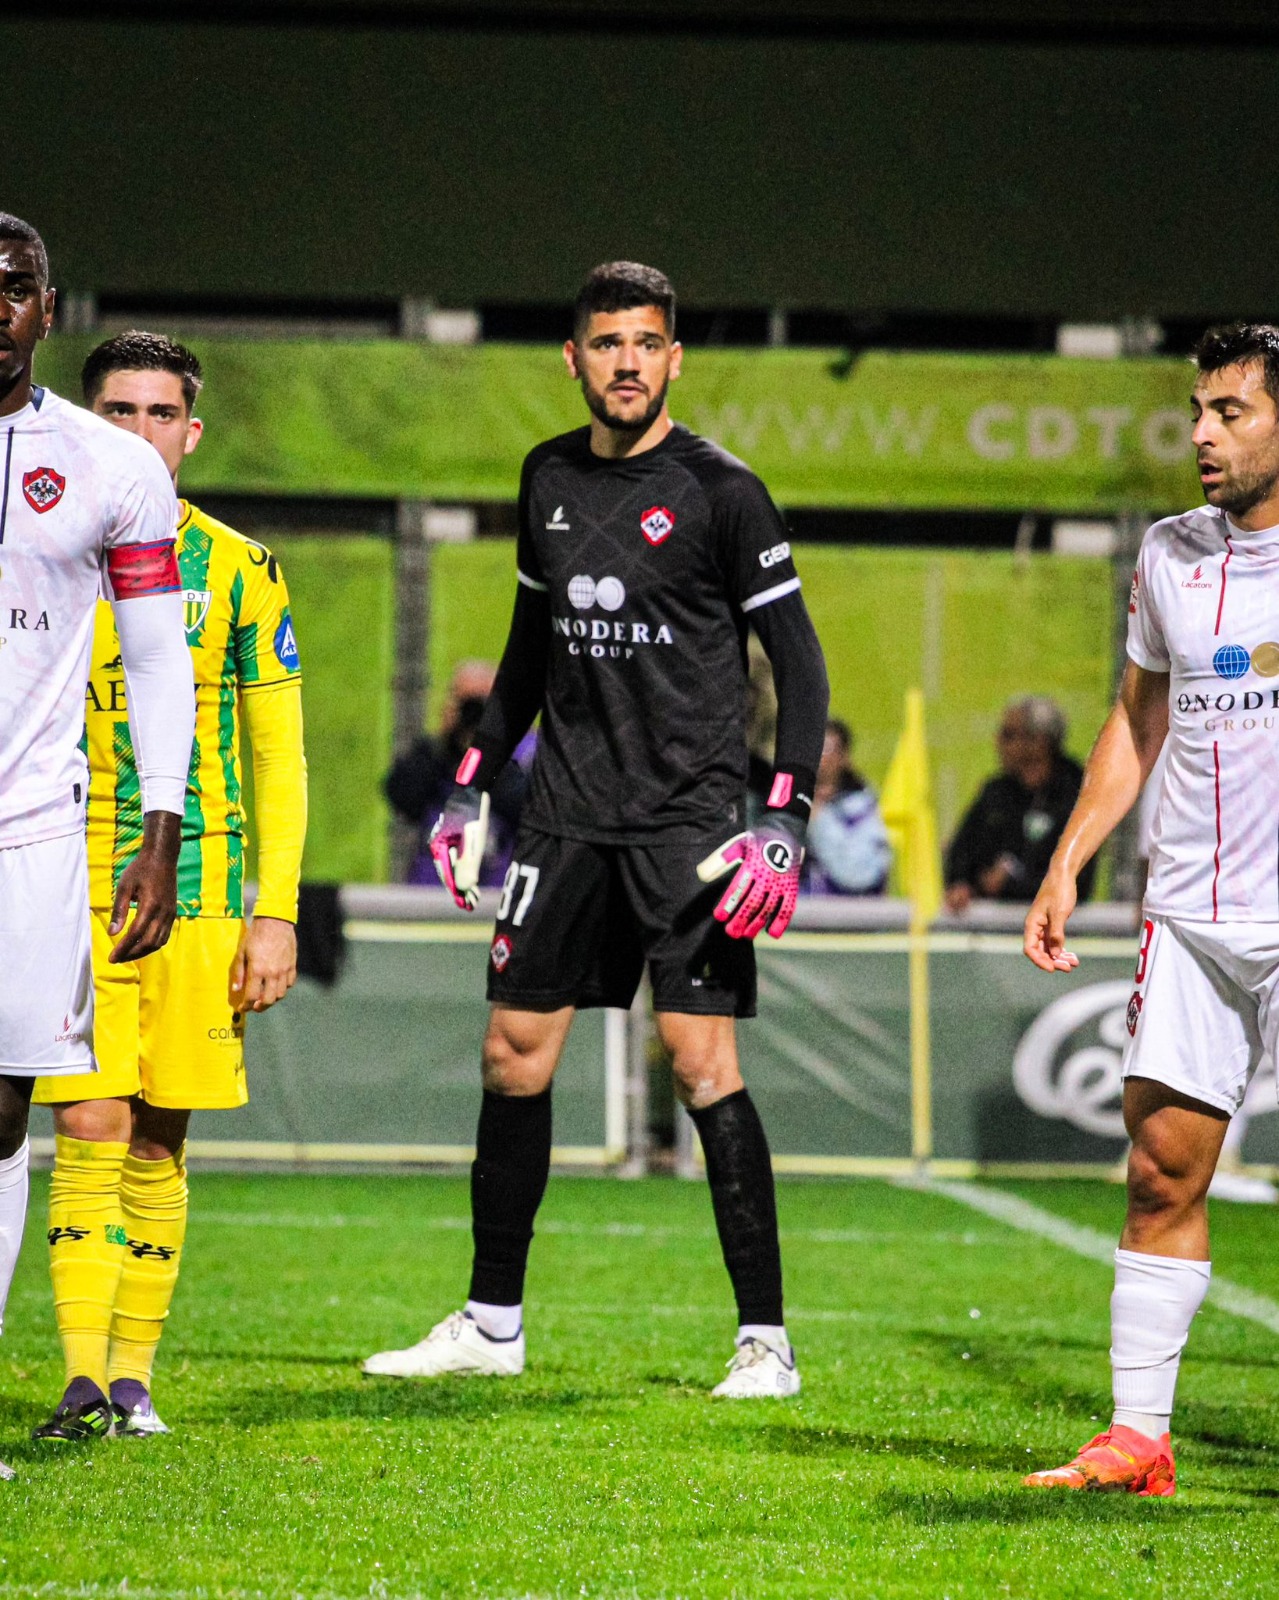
(1216, 855)
(1221, 603)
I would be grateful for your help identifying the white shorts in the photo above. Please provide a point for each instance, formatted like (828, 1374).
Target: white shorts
(1204, 1011)
(46, 968)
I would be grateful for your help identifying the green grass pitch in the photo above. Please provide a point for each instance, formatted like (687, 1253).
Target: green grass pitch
(943, 1355)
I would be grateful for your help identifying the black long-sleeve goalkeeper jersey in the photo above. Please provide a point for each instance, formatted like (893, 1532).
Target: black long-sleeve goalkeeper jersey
(638, 580)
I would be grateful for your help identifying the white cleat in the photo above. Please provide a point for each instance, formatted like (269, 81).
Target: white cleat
(456, 1345)
(7, 1474)
(140, 1422)
(758, 1372)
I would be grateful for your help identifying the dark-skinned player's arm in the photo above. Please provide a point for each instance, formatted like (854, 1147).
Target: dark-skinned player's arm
(1121, 761)
(459, 836)
(144, 588)
(755, 556)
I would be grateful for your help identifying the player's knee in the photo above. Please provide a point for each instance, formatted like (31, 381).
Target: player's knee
(703, 1076)
(94, 1121)
(1159, 1184)
(513, 1063)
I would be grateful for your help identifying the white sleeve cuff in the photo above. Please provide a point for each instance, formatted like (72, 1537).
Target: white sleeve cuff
(1143, 659)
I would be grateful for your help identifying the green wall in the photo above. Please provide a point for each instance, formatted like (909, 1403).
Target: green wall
(971, 629)
(498, 165)
(899, 429)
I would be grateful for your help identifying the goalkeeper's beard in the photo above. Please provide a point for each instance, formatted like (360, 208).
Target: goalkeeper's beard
(597, 404)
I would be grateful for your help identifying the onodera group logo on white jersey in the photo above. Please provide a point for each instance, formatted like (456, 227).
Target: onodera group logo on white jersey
(1072, 1079)
(616, 640)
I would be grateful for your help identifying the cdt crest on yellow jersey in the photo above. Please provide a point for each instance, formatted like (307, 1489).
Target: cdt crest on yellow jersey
(196, 606)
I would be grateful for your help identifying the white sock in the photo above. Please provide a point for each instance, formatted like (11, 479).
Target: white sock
(774, 1336)
(498, 1322)
(1151, 1310)
(13, 1214)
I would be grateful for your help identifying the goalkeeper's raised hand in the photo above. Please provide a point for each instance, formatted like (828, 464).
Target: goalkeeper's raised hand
(457, 843)
(765, 886)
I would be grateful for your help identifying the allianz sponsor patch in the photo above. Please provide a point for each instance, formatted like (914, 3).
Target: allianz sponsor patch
(286, 644)
(195, 607)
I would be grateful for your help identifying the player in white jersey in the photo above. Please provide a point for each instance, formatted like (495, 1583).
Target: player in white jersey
(84, 508)
(1202, 672)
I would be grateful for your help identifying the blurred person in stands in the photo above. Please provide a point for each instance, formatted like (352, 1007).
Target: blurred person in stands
(1002, 848)
(420, 782)
(848, 848)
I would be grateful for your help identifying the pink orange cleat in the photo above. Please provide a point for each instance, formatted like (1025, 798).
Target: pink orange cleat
(1121, 1459)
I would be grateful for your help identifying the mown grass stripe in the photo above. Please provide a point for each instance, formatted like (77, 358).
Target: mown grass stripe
(1083, 1241)
(603, 1230)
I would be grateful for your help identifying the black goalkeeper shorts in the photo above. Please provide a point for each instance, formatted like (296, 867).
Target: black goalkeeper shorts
(577, 922)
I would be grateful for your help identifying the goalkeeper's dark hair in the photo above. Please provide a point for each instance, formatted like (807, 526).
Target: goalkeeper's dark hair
(621, 286)
(12, 227)
(136, 351)
(1233, 343)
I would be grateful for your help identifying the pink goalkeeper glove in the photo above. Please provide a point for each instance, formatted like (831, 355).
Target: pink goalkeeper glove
(766, 885)
(457, 844)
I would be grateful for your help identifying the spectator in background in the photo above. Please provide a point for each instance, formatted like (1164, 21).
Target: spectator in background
(848, 848)
(1002, 847)
(421, 780)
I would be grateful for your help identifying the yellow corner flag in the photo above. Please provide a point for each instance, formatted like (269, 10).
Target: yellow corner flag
(906, 805)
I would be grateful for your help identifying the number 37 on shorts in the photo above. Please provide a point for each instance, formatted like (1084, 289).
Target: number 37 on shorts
(518, 890)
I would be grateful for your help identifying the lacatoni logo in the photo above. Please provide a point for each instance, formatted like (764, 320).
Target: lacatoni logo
(1196, 580)
(557, 524)
(617, 640)
(1068, 1065)
(657, 524)
(69, 1035)
(500, 953)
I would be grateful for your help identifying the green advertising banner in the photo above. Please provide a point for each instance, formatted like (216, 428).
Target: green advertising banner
(393, 418)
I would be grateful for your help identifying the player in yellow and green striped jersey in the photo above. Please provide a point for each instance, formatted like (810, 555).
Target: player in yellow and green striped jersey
(169, 1031)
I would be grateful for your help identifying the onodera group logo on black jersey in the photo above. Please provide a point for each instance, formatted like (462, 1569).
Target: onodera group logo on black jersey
(598, 638)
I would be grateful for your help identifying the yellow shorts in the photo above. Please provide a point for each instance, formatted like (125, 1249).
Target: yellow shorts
(163, 1027)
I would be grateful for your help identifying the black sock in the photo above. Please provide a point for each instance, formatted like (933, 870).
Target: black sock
(508, 1179)
(741, 1179)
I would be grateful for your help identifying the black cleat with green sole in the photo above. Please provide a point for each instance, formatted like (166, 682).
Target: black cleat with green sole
(94, 1420)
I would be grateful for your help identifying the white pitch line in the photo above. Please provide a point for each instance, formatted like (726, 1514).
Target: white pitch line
(1082, 1241)
(601, 1230)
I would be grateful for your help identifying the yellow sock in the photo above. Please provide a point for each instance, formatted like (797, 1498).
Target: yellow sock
(155, 1217)
(86, 1250)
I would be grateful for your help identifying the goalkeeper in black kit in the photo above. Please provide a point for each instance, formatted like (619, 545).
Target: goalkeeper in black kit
(644, 554)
